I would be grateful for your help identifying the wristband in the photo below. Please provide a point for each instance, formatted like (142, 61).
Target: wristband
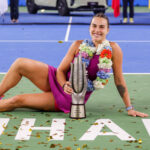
(129, 108)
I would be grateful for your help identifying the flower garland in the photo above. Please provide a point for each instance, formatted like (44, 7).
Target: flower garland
(104, 50)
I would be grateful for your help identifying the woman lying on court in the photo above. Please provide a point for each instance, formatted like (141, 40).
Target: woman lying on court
(98, 54)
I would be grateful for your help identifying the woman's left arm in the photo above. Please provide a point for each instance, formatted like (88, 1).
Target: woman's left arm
(120, 82)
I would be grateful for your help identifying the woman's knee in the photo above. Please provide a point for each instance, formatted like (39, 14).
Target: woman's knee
(20, 60)
(22, 64)
(19, 63)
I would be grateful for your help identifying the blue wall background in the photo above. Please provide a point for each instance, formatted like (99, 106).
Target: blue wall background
(136, 2)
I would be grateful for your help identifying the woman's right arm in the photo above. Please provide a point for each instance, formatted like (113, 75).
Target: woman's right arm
(65, 65)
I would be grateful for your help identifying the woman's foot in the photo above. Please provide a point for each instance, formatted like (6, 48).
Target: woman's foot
(125, 20)
(131, 20)
(14, 20)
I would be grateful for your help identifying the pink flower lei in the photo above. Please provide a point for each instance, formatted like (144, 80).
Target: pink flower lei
(104, 50)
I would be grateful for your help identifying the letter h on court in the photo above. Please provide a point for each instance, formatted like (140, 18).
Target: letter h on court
(27, 126)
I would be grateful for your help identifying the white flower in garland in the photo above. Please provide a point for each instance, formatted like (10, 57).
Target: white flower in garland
(89, 49)
(102, 46)
(105, 63)
(93, 49)
(98, 84)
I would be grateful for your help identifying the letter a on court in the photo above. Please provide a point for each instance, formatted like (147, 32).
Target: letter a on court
(95, 129)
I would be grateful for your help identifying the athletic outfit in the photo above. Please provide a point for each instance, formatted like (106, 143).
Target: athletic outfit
(131, 6)
(14, 11)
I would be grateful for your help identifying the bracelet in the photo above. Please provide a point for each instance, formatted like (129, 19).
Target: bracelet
(129, 108)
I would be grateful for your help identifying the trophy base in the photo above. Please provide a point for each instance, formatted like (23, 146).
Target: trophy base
(77, 111)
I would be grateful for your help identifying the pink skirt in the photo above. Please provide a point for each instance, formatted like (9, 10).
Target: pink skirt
(63, 100)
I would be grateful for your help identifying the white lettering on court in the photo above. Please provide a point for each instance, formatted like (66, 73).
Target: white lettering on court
(147, 125)
(27, 125)
(95, 129)
(3, 124)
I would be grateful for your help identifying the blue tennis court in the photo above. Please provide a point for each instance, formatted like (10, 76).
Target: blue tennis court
(38, 42)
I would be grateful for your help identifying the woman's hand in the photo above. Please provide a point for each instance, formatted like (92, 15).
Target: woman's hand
(67, 88)
(136, 113)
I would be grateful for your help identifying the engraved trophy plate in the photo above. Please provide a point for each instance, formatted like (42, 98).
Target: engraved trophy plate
(78, 82)
(78, 111)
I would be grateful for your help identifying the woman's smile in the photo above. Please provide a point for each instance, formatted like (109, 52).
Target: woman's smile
(96, 35)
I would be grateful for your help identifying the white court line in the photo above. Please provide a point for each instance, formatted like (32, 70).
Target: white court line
(131, 41)
(29, 41)
(68, 29)
(66, 40)
(111, 73)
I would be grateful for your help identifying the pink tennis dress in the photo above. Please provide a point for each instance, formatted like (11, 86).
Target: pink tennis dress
(62, 99)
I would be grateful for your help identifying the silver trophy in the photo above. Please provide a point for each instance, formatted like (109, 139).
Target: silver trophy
(78, 82)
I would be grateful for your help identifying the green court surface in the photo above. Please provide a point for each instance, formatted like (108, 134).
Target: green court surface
(103, 108)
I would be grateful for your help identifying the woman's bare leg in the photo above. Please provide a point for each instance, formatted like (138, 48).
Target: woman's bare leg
(41, 101)
(35, 71)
